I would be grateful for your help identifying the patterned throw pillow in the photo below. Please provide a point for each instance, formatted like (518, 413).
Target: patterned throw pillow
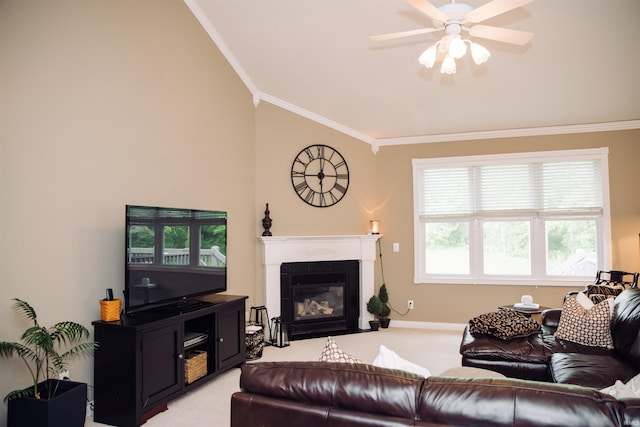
(504, 324)
(332, 353)
(602, 291)
(389, 359)
(587, 327)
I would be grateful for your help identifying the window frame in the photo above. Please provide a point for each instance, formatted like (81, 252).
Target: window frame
(538, 237)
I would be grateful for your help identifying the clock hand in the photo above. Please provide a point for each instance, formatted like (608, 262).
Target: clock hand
(321, 174)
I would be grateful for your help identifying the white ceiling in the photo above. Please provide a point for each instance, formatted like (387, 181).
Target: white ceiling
(314, 57)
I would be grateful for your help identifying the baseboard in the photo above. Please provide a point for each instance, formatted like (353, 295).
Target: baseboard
(428, 325)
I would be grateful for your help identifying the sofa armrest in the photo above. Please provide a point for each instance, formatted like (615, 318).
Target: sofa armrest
(511, 402)
(255, 410)
(551, 317)
(630, 410)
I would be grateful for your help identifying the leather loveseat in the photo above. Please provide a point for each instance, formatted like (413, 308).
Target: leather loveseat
(314, 394)
(542, 357)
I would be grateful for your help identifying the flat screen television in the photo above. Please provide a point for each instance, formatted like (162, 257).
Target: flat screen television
(173, 255)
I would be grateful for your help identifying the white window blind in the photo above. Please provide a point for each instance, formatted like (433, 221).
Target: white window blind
(538, 217)
(535, 189)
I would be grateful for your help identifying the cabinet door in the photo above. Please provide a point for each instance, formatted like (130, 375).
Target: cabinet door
(161, 364)
(117, 391)
(230, 336)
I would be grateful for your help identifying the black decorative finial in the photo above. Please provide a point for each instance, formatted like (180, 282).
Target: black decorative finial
(266, 222)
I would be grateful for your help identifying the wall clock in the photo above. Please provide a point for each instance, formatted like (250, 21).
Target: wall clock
(320, 175)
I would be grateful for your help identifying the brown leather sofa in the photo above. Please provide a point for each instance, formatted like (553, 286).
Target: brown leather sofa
(314, 394)
(542, 357)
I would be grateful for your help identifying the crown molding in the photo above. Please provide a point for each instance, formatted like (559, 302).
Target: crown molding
(316, 118)
(513, 133)
(376, 143)
(219, 42)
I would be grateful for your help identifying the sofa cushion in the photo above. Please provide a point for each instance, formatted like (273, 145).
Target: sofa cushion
(600, 292)
(487, 347)
(332, 353)
(630, 389)
(589, 370)
(625, 325)
(389, 359)
(254, 410)
(507, 402)
(504, 324)
(361, 387)
(587, 327)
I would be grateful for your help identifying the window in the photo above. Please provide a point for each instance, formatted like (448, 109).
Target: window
(526, 218)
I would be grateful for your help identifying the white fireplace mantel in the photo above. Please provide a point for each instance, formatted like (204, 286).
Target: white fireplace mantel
(280, 249)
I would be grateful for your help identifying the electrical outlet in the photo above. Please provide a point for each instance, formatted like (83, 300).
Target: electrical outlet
(64, 375)
(410, 304)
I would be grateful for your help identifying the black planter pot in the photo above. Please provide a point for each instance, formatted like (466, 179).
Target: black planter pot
(384, 322)
(67, 408)
(374, 324)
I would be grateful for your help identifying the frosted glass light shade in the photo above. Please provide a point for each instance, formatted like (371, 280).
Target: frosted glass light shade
(374, 226)
(428, 57)
(448, 65)
(479, 53)
(457, 48)
(454, 48)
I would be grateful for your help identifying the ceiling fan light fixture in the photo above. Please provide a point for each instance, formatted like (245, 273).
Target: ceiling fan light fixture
(457, 48)
(448, 65)
(454, 18)
(428, 57)
(479, 53)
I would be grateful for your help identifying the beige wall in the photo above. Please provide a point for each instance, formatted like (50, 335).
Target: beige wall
(111, 102)
(281, 135)
(457, 303)
(382, 188)
(105, 103)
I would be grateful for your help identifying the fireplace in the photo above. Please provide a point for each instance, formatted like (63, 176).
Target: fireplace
(288, 249)
(320, 298)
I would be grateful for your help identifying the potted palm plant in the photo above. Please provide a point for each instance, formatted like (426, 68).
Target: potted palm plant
(46, 352)
(374, 306)
(385, 310)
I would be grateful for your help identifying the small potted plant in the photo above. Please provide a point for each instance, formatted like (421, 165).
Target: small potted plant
(385, 310)
(374, 306)
(46, 352)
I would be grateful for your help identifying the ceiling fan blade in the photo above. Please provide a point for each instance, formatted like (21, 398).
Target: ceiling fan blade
(501, 34)
(428, 9)
(403, 34)
(493, 8)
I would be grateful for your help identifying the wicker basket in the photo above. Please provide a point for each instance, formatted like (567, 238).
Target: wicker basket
(195, 366)
(110, 310)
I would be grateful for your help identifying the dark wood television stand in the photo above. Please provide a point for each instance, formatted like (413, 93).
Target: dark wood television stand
(140, 364)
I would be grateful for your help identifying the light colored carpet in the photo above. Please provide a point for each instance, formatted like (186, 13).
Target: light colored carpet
(209, 405)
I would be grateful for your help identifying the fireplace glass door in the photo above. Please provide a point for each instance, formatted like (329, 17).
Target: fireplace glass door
(318, 301)
(319, 298)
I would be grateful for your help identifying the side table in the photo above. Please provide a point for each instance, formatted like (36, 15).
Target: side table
(534, 313)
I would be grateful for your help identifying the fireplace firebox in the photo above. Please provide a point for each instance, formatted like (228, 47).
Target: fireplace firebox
(320, 298)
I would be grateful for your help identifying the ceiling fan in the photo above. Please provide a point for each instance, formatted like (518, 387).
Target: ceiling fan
(454, 17)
